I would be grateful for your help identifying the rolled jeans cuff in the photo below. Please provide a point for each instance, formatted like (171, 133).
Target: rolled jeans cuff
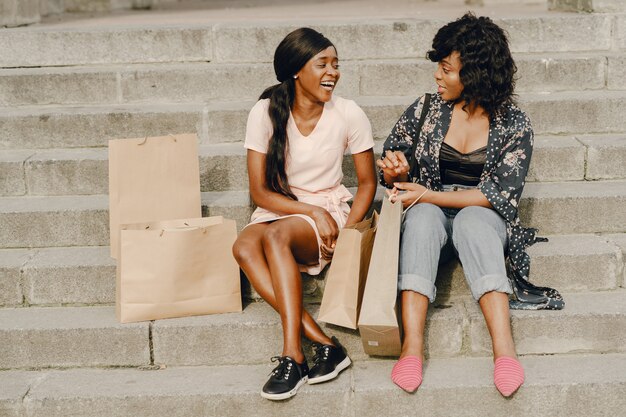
(488, 283)
(417, 284)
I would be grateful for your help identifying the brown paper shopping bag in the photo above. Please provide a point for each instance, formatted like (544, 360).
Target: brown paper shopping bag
(177, 268)
(347, 272)
(152, 179)
(378, 320)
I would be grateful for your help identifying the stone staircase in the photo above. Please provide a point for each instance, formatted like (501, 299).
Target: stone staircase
(69, 84)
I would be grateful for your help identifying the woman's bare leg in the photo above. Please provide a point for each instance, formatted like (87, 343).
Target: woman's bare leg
(286, 243)
(495, 307)
(248, 250)
(414, 309)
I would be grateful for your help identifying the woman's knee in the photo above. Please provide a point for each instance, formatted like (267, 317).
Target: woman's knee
(275, 237)
(424, 220)
(245, 250)
(476, 224)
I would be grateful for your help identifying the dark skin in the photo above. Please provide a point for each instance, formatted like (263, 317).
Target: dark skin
(269, 253)
(469, 130)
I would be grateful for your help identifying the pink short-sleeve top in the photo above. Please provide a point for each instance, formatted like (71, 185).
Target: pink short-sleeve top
(314, 161)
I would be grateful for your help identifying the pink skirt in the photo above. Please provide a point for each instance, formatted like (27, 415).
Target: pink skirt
(334, 200)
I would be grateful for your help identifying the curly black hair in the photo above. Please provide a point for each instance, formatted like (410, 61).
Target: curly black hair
(488, 70)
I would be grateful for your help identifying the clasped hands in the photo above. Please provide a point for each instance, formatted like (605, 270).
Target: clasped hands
(396, 168)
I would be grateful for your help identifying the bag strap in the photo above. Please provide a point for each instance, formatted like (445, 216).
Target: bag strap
(413, 162)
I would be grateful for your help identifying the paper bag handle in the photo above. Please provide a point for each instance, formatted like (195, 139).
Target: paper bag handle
(146, 139)
(410, 205)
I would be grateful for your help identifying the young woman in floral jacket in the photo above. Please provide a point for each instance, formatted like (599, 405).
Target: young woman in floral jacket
(472, 156)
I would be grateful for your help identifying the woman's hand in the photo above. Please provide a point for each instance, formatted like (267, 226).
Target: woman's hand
(326, 252)
(412, 192)
(328, 231)
(394, 165)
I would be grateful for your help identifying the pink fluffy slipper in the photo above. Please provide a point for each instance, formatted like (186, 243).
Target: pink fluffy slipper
(508, 375)
(407, 373)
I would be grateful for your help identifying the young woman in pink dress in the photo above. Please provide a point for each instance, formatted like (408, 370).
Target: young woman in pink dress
(296, 137)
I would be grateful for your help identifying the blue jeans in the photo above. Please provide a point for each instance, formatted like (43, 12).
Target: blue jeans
(431, 235)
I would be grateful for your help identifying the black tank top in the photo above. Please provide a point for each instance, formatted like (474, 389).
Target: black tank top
(461, 168)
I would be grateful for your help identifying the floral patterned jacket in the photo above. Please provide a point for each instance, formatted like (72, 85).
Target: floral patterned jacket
(509, 150)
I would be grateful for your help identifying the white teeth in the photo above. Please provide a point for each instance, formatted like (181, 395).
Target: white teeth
(328, 83)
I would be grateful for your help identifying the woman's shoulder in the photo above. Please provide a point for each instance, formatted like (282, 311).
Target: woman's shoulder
(259, 113)
(344, 105)
(513, 123)
(347, 109)
(261, 105)
(434, 101)
(515, 117)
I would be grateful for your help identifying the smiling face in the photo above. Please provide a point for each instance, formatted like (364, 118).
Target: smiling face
(448, 77)
(319, 76)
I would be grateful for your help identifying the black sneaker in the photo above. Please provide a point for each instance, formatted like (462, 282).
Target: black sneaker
(285, 379)
(329, 361)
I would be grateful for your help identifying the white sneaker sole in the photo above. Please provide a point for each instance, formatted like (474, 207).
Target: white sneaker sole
(334, 374)
(285, 395)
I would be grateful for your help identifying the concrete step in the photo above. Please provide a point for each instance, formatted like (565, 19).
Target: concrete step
(106, 5)
(66, 220)
(199, 82)
(564, 113)
(616, 79)
(598, 6)
(110, 5)
(454, 329)
(560, 385)
(84, 171)
(601, 151)
(17, 13)
(57, 276)
(69, 337)
(569, 263)
(570, 207)
(155, 39)
(83, 6)
(78, 127)
(86, 275)
(101, 45)
(553, 208)
(592, 322)
(51, 7)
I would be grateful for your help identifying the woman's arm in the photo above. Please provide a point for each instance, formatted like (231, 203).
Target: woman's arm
(504, 186)
(364, 165)
(449, 199)
(266, 198)
(394, 163)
